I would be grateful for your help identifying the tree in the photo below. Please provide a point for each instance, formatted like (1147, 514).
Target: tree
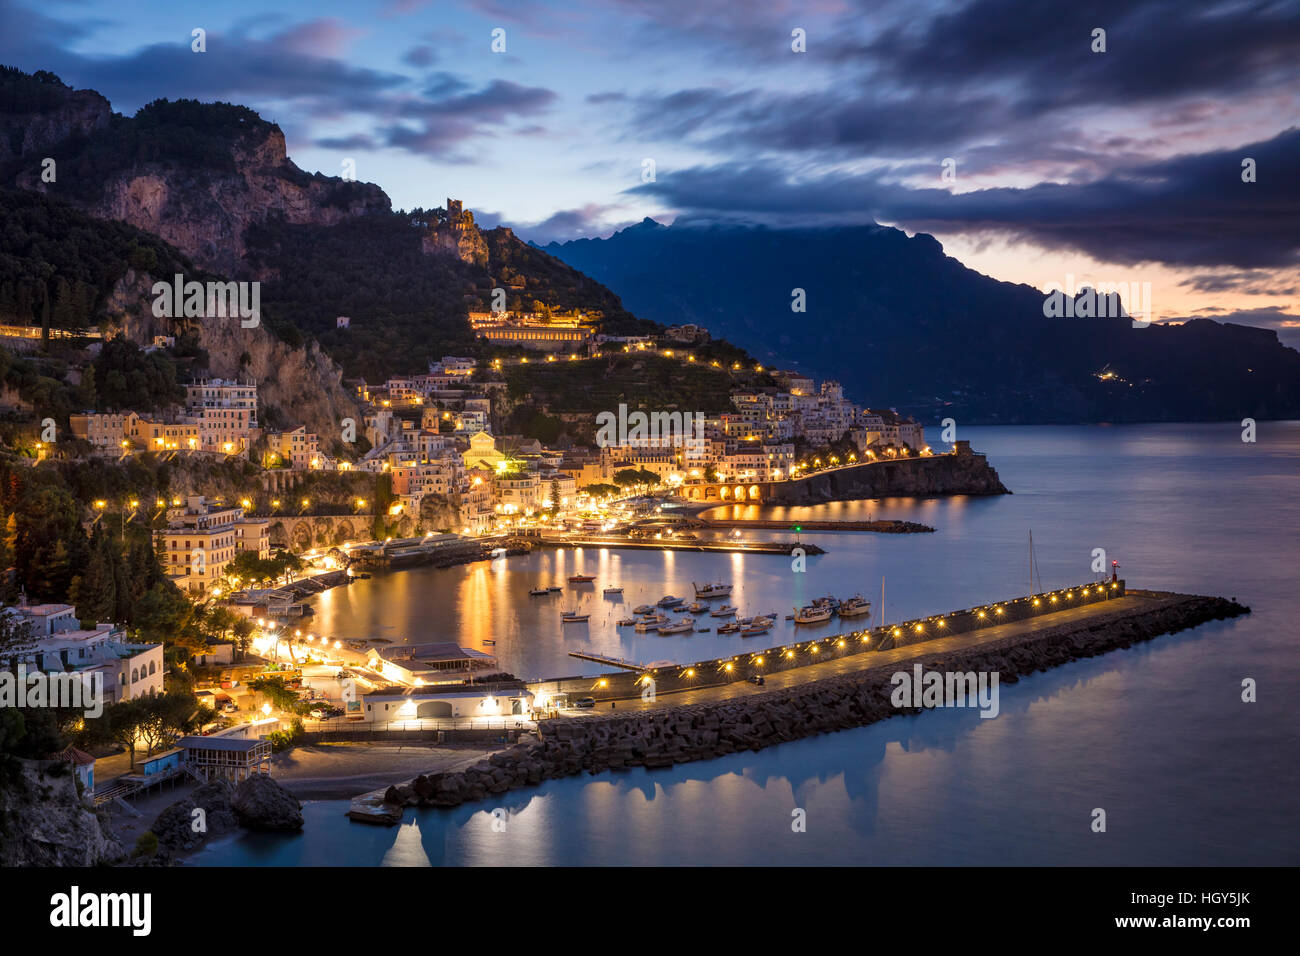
(16, 639)
(555, 495)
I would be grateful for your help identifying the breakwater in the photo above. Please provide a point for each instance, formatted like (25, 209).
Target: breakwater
(665, 734)
(818, 649)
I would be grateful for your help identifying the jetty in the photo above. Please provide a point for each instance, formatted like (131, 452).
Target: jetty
(669, 544)
(713, 708)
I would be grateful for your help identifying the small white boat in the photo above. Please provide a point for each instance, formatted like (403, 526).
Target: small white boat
(697, 608)
(729, 628)
(572, 617)
(812, 614)
(643, 609)
(759, 626)
(650, 624)
(679, 628)
(855, 606)
(669, 600)
(612, 591)
(712, 590)
(627, 622)
(725, 611)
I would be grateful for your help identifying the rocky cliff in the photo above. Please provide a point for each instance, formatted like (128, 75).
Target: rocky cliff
(45, 821)
(969, 474)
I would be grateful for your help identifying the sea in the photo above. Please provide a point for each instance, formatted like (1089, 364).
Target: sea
(1158, 737)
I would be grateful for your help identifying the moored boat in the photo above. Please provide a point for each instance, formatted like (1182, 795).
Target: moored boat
(855, 606)
(812, 614)
(679, 628)
(572, 617)
(712, 590)
(643, 609)
(539, 592)
(627, 622)
(725, 611)
(669, 600)
(729, 628)
(613, 591)
(759, 626)
(697, 608)
(581, 578)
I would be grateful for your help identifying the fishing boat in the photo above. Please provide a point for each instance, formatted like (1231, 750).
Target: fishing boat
(643, 609)
(712, 590)
(627, 622)
(760, 626)
(729, 628)
(539, 592)
(725, 611)
(812, 614)
(697, 608)
(572, 617)
(555, 589)
(669, 600)
(581, 578)
(609, 591)
(855, 606)
(646, 625)
(679, 628)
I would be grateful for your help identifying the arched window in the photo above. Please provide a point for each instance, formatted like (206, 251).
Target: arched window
(152, 667)
(135, 675)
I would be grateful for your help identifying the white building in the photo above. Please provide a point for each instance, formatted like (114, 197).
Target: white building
(62, 645)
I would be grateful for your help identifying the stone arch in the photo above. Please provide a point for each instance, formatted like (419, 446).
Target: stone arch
(300, 538)
(277, 535)
(753, 493)
(343, 531)
(739, 493)
(724, 493)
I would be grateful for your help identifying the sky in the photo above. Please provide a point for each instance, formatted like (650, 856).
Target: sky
(994, 125)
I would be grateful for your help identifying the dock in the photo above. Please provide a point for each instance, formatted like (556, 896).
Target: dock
(721, 547)
(608, 661)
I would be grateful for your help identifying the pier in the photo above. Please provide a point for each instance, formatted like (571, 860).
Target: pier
(722, 547)
(710, 709)
(622, 662)
(804, 661)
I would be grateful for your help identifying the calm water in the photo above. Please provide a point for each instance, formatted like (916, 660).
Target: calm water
(1156, 735)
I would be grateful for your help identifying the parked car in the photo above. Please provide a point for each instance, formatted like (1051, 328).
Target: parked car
(585, 702)
(757, 679)
(229, 707)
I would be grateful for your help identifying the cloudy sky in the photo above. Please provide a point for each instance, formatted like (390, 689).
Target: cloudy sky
(1115, 166)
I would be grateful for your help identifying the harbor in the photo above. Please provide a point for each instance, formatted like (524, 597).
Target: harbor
(711, 709)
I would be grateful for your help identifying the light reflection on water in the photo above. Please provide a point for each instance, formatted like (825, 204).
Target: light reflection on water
(1156, 735)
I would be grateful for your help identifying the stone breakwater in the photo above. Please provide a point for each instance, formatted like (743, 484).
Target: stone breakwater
(670, 735)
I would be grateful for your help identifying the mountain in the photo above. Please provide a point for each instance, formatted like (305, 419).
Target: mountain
(901, 324)
(213, 181)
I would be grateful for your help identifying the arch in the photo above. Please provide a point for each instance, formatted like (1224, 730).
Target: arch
(753, 492)
(740, 492)
(300, 538)
(153, 667)
(433, 708)
(135, 674)
(724, 493)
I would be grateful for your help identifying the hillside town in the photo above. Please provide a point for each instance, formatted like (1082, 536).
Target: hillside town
(433, 436)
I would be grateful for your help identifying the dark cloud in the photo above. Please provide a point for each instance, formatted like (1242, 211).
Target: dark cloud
(1189, 211)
